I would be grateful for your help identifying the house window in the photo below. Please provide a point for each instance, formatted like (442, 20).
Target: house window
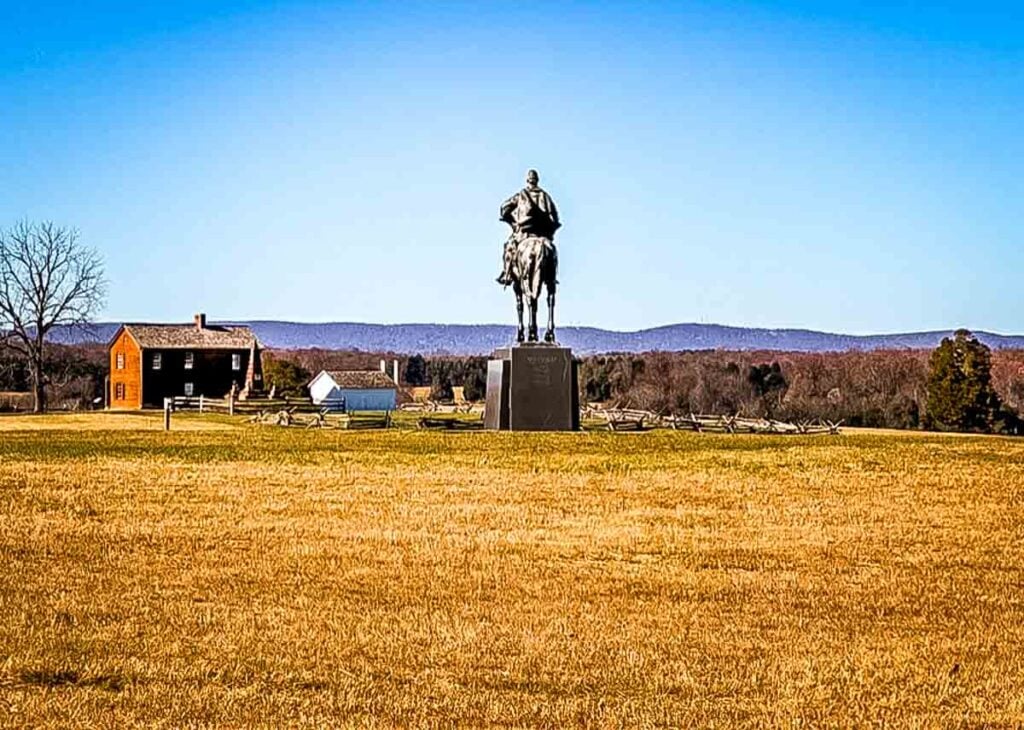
(189, 389)
(120, 361)
(189, 360)
(236, 361)
(158, 359)
(119, 391)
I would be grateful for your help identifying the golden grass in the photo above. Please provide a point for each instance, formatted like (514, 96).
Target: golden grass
(260, 576)
(113, 421)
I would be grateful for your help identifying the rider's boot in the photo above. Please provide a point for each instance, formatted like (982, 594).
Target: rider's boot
(505, 277)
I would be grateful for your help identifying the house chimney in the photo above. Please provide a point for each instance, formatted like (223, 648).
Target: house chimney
(200, 320)
(394, 369)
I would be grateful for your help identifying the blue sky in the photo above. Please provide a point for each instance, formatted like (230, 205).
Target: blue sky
(852, 167)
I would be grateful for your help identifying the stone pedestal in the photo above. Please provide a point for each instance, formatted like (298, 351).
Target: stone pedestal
(532, 387)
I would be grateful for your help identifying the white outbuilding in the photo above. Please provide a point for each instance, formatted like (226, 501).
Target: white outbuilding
(354, 390)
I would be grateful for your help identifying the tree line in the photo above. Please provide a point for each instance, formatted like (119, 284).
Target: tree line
(73, 377)
(961, 385)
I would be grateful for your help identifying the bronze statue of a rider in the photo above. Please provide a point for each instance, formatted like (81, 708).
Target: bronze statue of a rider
(531, 213)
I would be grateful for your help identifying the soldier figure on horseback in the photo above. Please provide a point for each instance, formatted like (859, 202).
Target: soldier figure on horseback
(530, 257)
(530, 212)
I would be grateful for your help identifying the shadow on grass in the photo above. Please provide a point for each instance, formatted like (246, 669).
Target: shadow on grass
(71, 678)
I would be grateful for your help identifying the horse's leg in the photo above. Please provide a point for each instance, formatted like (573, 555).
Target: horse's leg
(529, 284)
(547, 278)
(520, 334)
(549, 336)
(533, 317)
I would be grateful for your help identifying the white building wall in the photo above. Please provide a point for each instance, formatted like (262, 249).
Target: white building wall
(376, 399)
(323, 388)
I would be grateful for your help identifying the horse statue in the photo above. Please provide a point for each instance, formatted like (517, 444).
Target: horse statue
(532, 263)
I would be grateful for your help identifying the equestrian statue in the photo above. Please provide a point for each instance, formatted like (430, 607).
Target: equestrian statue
(530, 258)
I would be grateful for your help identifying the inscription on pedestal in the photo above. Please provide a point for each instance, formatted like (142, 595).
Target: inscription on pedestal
(532, 387)
(541, 389)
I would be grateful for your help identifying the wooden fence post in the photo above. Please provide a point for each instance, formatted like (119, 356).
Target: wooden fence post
(200, 402)
(231, 402)
(168, 405)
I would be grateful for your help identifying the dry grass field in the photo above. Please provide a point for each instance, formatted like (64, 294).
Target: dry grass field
(231, 575)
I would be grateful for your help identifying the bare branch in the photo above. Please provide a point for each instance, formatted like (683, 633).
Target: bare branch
(46, 279)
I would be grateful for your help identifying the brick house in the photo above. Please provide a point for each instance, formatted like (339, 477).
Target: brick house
(150, 362)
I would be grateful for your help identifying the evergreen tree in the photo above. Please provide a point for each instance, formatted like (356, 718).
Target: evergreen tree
(960, 393)
(416, 371)
(439, 374)
(474, 385)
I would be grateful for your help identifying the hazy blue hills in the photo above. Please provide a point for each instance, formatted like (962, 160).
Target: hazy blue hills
(461, 339)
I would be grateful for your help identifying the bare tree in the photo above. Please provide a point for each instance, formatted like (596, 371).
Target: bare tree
(47, 278)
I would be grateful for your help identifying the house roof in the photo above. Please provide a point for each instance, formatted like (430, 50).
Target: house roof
(188, 336)
(361, 379)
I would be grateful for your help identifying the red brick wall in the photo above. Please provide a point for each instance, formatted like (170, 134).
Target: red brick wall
(130, 376)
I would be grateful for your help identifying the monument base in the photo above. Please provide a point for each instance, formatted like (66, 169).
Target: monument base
(532, 387)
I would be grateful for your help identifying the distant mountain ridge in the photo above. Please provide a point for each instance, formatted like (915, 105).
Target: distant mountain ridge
(481, 339)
